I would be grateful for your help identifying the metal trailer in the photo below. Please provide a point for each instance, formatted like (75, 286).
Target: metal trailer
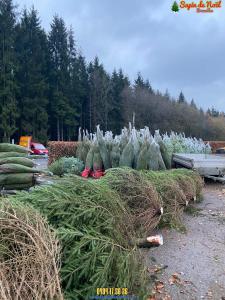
(207, 165)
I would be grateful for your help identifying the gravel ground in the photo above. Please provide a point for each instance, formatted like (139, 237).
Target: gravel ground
(196, 259)
(42, 163)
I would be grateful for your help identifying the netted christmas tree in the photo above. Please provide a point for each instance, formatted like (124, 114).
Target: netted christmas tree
(138, 149)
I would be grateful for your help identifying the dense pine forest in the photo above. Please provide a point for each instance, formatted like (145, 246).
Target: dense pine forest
(48, 89)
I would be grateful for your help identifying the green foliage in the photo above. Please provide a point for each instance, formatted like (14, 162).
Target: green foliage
(103, 150)
(100, 93)
(153, 156)
(183, 176)
(142, 162)
(138, 194)
(82, 150)
(89, 159)
(165, 154)
(127, 156)
(59, 76)
(177, 188)
(72, 165)
(115, 156)
(119, 82)
(8, 65)
(96, 223)
(97, 159)
(136, 149)
(95, 231)
(32, 57)
(69, 165)
(57, 167)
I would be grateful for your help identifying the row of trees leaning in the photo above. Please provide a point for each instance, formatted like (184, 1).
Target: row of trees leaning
(48, 90)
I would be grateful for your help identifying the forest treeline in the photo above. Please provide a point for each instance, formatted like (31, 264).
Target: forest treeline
(48, 89)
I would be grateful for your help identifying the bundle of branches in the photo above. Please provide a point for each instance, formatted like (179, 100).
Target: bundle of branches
(138, 194)
(177, 188)
(95, 230)
(191, 182)
(29, 254)
(173, 197)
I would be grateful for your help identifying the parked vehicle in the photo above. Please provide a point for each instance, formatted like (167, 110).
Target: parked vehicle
(220, 151)
(34, 147)
(38, 149)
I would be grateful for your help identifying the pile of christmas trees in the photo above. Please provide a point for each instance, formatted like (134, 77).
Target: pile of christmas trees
(137, 149)
(100, 223)
(16, 169)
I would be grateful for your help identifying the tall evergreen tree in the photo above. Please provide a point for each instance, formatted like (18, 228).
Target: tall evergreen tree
(139, 82)
(148, 86)
(193, 104)
(59, 78)
(213, 112)
(167, 95)
(8, 66)
(78, 93)
(72, 117)
(100, 95)
(116, 118)
(84, 92)
(181, 98)
(32, 56)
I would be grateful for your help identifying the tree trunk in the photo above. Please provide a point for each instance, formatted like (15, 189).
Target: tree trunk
(58, 130)
(68, 134)
(90, 114)
(62, 137)
(6, 138)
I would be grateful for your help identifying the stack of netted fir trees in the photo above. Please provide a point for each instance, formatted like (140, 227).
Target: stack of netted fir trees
(137, 149)
(100, 224)
(16, 169)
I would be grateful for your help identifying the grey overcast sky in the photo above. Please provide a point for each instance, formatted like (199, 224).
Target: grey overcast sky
(175, 51)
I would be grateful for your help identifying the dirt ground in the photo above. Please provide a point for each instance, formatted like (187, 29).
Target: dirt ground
(195, 261)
